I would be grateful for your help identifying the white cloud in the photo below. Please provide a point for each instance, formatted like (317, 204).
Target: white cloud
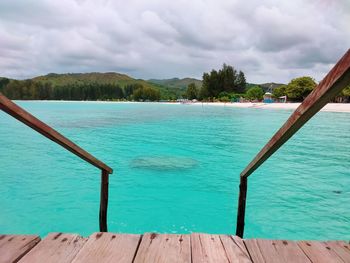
(270, 40)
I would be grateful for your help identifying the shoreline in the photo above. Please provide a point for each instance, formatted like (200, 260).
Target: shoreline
(330, 107)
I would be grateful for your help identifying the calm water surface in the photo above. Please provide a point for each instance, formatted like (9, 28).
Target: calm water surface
(176, 171)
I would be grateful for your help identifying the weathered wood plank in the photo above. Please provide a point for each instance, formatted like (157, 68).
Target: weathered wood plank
(263, 250)
(108, 247)
(14, 247)
(163, 248)
(341, 248)
(212, 248)
(289, 251)
(56, 247)
(254, 250)
(235, 249)
(319, 252)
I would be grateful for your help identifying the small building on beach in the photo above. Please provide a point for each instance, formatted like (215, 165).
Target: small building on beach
(268, 97)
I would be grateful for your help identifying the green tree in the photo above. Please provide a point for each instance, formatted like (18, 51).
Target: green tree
(241, 83)
(279, 91)
(129, 89)
(345, 92)
(255, 93)
(146, 94)
(225, 80)
(3, 83)
(298, 88)
(227, 77)
(192, 91)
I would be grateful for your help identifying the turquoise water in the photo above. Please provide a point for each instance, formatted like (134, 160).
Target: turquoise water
(176, 170)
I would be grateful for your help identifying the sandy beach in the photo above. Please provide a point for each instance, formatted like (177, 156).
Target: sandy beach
(331, 107)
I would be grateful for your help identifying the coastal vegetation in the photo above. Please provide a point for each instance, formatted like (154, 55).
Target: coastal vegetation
(225, 85)
(255, 93)
(220, 83)
(297, 89)
(89, 86)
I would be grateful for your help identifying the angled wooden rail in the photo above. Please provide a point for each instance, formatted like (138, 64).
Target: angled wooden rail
(336, 80)
(23, 116)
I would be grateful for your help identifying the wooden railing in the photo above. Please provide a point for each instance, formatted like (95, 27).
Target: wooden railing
(337, 79)
(23, 116)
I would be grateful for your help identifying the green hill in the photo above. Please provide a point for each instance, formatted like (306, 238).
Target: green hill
(176, 82)
(88, 78)
(24, 89)
(169, 88)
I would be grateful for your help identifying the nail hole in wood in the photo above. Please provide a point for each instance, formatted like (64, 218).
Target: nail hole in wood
(57, 236)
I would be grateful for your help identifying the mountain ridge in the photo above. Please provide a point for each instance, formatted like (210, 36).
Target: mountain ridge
(173, 86)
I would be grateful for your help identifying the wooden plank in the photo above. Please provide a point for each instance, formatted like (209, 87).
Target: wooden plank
(108, 247)
(281, 251)
(235, 249)
(23, 116)
(336, 80)
(167, 248)
(319, 252)
(14, 247)
(56, 247)
(254, 250)
(207, 249)
(289, 251)
(341, 248)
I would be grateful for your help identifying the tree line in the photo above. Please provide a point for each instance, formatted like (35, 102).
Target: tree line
(225, 86)
(222, 82)
(35, 90)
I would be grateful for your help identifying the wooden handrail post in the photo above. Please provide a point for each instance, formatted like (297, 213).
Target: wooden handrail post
(241, 206)
(104, 200)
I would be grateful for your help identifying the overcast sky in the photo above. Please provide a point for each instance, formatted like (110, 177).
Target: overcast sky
(269, 40)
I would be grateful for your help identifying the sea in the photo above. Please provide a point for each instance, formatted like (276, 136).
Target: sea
(176, 170)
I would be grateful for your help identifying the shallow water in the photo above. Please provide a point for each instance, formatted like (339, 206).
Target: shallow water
(176, 170)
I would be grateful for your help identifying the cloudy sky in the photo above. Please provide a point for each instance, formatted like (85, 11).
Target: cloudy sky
(270, 40)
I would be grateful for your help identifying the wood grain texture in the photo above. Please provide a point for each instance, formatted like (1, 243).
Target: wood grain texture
(23, 116)
(56, 247)
(276, 251)
(319, 252)
(14, 247)
(235, 249)
(107, 247)
(209, 249)
(165, 248)
(341, 248)
(254, 250)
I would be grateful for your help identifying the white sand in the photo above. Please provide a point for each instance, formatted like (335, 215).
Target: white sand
(333, 107)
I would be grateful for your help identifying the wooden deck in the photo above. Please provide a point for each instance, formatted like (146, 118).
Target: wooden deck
(196, 248)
